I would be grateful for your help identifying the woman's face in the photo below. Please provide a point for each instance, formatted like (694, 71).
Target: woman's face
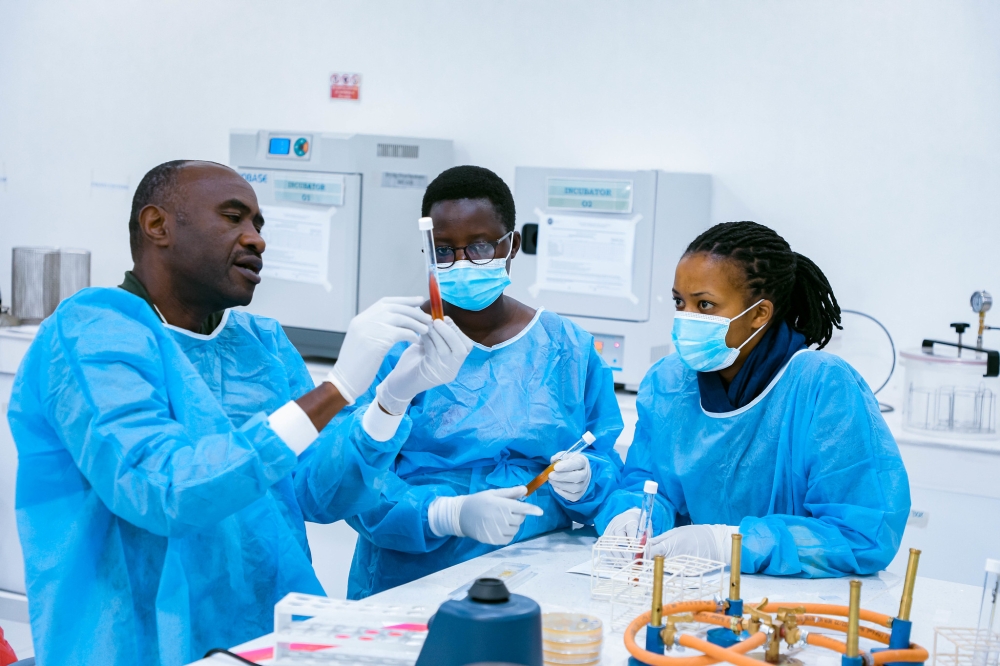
(712, 285)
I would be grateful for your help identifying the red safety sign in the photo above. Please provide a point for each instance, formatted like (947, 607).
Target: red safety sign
(345, 86)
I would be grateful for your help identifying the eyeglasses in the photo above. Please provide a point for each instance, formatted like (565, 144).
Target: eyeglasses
(479, 253)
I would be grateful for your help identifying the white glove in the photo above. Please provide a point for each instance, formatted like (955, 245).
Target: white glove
(711, 542)
(433, 361)
(490, 516)
(570, 477)
(370, 335)
(624, 524)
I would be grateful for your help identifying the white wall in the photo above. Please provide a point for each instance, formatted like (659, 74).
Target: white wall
(866, 132)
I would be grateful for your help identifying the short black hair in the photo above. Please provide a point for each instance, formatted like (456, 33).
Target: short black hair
(472, 182)
(801, 294)
(154, 188)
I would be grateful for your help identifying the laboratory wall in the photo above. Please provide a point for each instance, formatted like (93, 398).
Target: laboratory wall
(864, 131)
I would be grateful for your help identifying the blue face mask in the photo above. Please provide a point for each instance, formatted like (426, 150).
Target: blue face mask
(474, 286)
(700, 340)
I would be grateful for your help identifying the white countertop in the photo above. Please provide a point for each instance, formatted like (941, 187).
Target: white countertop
(936, 603)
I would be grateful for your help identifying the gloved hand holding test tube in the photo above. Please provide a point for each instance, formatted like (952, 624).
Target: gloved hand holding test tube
(426, 226)
(582, 443)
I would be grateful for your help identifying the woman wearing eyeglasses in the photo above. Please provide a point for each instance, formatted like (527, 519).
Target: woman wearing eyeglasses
(532, 385)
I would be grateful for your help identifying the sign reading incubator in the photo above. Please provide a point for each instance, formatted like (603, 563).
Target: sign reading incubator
(338, 209)
(592, 195)
(600, 247)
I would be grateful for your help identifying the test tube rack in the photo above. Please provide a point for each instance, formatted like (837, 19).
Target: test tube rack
(621, 576)
(955, 646)
(611, 555)
(317, 630)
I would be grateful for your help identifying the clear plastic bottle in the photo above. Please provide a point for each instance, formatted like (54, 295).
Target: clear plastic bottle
(987, 650)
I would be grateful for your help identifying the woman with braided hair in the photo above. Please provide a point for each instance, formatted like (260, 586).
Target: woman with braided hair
(747, 429)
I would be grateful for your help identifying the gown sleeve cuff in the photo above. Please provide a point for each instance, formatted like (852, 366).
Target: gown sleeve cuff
(292, 425)
(380, 426)
(442, 516)
(341, 388)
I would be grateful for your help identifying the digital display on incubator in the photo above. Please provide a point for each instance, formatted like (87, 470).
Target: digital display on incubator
(279, 146)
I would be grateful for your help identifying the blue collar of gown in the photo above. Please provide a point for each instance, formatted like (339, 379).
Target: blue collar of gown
(774, 350)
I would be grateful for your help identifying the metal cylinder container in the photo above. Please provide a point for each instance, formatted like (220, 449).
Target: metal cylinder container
(41, 277)
(34, 283)
(74, 271)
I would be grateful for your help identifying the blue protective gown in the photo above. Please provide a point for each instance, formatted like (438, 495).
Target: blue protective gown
(160, 515)
(510, 409)
(808, 470)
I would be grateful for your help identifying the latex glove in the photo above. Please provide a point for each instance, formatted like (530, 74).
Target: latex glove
(433, 361)
(570, 477)
(625, 524)
(490, 516)
(711, 542)
(370, 335)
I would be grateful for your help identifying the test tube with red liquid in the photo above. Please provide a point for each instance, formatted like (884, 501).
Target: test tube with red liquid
(426, 226)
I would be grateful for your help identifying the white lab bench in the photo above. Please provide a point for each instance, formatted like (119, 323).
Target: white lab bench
(936, 603)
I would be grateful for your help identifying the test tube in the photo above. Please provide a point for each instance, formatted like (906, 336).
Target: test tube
(987, 648)
(644, 531)
(582, 443)
(426, 226)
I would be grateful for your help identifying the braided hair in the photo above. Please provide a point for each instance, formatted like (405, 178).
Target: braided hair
(796, 286)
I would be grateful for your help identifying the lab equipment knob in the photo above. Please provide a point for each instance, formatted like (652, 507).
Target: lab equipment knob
(960, 328)
(489, 591)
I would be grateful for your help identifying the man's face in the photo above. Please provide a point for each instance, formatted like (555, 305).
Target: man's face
(217, 246)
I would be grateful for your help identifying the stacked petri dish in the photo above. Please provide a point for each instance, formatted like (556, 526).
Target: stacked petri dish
(571, 638)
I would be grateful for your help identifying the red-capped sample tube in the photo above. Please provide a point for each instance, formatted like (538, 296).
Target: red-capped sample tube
(426, 226)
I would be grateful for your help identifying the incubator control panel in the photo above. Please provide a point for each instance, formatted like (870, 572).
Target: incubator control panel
(611, 348)
(288, 146)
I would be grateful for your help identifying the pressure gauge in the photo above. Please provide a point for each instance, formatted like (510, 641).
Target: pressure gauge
(981, 301)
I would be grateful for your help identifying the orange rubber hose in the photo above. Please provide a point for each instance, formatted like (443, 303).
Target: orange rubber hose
(721, 653)
(726, 621)
(707, 613)
(653, 659)
(716, 619)
(822, 641)
(914, 654)
(830, 609)
(689, 607)
(840, 625)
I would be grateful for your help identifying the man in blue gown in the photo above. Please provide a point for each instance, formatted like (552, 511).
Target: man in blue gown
(166, 469)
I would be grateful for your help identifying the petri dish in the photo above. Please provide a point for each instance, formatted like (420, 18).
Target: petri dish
(571, 628)
(571, 638)
(575, 661)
